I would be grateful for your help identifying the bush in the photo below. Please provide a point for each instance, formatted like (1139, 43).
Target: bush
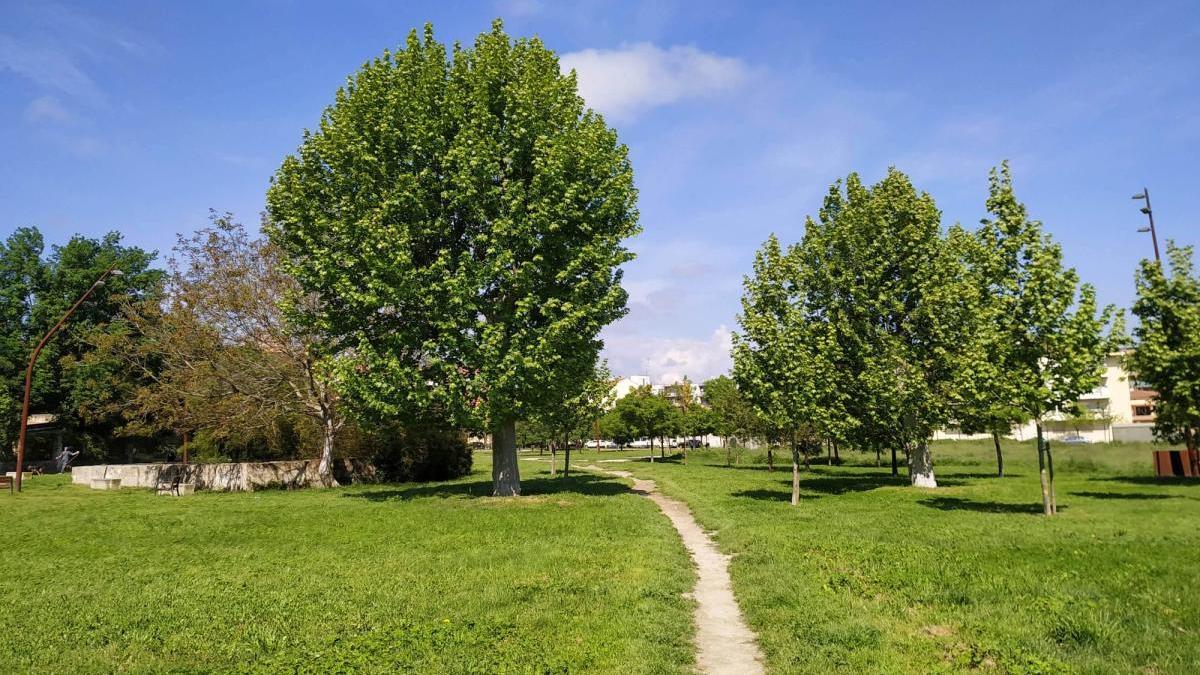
(403, 455)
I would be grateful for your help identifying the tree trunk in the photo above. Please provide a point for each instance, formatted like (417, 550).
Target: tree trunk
(567, 457)
(920, 466)
(325, 466)
(877, 457)
(829, 451)
(553, 461)
(1193, 451)
(895, 466)
(662, 447)
(795, 473)
(999, 454)
(506, 477)
(837, 457)
(770, 457)
(1042, 471)
(1050, 471)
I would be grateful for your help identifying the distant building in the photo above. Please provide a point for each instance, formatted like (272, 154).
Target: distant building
(1120, 409)
(627, 384)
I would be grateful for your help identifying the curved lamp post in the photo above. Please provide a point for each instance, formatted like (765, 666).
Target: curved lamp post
(1144, 195)
(110, 272)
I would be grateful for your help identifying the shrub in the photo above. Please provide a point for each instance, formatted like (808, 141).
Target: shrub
(416, 454)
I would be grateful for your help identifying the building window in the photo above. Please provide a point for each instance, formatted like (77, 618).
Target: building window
(1141, 411)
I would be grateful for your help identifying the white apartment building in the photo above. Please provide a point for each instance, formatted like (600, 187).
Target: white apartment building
(1119, 410)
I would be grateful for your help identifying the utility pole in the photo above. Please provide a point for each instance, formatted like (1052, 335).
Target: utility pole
(111, 271)
(1145, 196)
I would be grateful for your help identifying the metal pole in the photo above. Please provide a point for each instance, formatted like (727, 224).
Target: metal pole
(1150, 215)
(29, 371)
(1145, 196)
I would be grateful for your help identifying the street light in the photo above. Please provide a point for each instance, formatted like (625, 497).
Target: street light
(99, 283)
(1145, 195)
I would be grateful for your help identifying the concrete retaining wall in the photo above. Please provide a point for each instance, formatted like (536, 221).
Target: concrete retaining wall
(233, 477)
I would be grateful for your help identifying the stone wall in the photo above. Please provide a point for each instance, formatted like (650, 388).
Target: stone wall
(232, 477)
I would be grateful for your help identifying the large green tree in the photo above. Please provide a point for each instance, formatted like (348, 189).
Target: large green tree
(891, 288)
(1047, 342)
(462, 219)
(1167, 356)
(784, 356)
(35, 291)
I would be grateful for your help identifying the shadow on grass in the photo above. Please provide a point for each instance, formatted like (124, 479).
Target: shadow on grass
(828, 484)
(1174, 481)
(1124, 495)
(581, 483)
(959, 504)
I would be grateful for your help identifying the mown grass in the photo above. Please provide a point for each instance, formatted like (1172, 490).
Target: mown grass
(580, 576)
(871, 575)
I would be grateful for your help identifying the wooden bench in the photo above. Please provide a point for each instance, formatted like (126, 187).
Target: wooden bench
(6, 482)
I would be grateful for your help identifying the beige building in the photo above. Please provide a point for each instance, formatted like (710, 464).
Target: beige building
(1117, 410)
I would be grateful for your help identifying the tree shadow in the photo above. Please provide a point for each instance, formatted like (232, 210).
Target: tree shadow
(580, 483)
(827, 484)
(959, 504)
(1173, 481)
(1124, 495)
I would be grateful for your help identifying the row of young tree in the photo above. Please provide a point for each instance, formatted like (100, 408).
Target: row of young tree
(879, 326)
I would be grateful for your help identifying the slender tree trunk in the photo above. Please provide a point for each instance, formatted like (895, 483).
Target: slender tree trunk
(920, 466)
(567, 457)
(829, 451)
(837, 457)
(1042, 471)
(553, 460)
(1050, 471)
(999, 454)
(878, 458)
(662, 447)
(795, 473)
(770, 457)
(895, 466)
(506, 477)
(325, 466)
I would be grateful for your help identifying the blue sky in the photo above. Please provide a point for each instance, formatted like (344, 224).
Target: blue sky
(140, 116)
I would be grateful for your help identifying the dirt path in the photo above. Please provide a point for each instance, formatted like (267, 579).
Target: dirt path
(724, 643)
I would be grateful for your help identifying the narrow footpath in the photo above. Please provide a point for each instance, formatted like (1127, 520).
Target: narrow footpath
(725, 645)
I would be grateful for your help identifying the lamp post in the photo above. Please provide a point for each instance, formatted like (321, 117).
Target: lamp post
(110, 272)
(1145, 196)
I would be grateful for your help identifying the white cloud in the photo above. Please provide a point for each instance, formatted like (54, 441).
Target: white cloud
(668, 360)
(623, 82)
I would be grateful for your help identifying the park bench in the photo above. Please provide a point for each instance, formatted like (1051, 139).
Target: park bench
(6, 482)
(175, 486)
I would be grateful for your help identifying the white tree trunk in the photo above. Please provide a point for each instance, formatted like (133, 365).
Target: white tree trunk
(920, 466)
(506, 478)
(795, 474)
(325, 466)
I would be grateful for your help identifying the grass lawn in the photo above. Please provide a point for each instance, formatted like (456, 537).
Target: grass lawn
(578, 577)
(870, 575)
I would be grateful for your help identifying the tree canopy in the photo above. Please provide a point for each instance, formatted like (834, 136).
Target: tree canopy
(462, 219)
(1167, 358)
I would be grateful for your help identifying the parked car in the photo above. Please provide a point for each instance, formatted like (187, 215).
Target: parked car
(639, 443)
(1073, 439)
(691, 443)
